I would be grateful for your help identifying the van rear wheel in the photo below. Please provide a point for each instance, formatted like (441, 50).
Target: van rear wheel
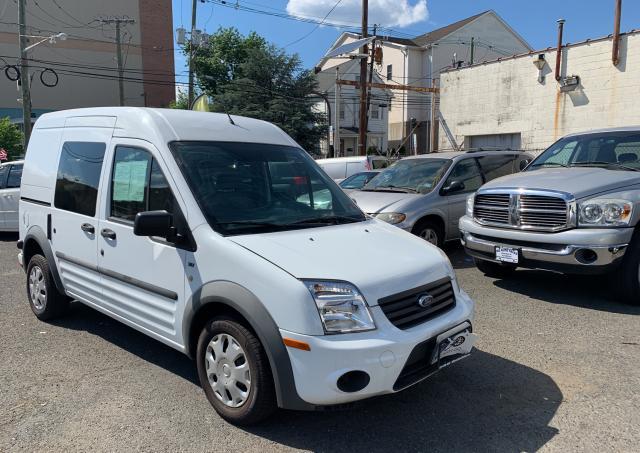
(234, 372)
(45, 300)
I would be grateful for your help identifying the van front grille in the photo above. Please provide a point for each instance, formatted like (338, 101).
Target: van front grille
(418, 305)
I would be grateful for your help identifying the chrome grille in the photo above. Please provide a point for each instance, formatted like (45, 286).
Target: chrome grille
(492, 208)
(538, 212)
(404, 310)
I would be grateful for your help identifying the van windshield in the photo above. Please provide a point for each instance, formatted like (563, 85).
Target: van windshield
(610, 150)
(409, 175)
(248, 188)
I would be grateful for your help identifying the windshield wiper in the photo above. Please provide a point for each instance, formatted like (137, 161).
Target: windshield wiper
(558, 164)
(327, 220)
(597, 163)
(392, 188)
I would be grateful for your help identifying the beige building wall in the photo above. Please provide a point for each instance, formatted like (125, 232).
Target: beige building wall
(86, 62)
(505, 97)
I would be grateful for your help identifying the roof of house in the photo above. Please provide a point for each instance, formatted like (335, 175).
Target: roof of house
(436, 35)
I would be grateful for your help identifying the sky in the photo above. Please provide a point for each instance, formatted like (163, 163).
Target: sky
(535, 20)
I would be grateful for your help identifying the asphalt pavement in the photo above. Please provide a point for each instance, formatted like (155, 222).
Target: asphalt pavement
(557, 368)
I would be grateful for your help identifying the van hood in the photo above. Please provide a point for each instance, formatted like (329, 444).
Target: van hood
(379, 259)
(579, 181)
(376, 202)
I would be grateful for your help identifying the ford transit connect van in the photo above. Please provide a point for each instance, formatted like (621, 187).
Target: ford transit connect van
(203, 231)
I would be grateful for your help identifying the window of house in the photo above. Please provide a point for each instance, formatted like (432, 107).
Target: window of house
(389, 72)
(375, 112)
(341, 111)
(79, 176)
(15, 175)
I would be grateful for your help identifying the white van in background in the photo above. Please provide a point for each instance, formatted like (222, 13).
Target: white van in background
(204, 232)
(10, 176)
(339, 168)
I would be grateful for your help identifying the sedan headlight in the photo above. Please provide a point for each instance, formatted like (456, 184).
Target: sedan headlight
(470, 202)
(341, 307)
(604, 212)
(391, 217)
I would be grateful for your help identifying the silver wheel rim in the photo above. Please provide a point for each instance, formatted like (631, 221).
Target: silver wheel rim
(429, 235)
(228, 370)
(37, 288)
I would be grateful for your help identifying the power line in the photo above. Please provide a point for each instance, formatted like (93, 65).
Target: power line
(316, 27)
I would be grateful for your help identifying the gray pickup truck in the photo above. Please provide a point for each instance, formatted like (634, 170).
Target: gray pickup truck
(574, 209)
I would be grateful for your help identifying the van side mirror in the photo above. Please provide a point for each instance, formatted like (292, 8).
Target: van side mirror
(154, 223)
(524, 163)
(453, 187)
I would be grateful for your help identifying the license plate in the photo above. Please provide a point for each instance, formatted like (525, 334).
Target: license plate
(458, 344)
(507, 254)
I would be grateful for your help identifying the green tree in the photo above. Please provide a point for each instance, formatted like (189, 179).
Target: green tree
(244, 75)
(11, 138)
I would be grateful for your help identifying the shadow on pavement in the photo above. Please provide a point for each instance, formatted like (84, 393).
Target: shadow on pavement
(83, 318)
(584, 291)
(459, 259)
(484, 403)
(8, 237)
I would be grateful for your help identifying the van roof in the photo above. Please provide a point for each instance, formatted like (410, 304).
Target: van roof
(166, 125)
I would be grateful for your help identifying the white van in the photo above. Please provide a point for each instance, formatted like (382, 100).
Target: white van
(201, 231)
(339, 168)
(10, 174)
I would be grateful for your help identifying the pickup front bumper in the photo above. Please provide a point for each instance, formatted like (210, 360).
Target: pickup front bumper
(584, 251)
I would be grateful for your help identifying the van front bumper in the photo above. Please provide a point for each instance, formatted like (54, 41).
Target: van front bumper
(585, 251)
(393, 359)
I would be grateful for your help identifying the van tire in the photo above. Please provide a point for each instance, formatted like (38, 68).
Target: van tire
(494, 270)
(430, 231)
(45, 300)
(261, 399)
(626, 279)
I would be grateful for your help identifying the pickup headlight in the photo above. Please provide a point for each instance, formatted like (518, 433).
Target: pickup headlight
(604, 212)
(391, 217)
(470, 202)
(341, 307)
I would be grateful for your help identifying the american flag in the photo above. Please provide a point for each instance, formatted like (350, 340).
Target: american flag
(3, 154)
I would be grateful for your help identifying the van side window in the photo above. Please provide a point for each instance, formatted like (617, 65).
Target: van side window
(138, 185)
(495, 166)
(130, 182)
(3, 175)
(15, 176)
(79, 176)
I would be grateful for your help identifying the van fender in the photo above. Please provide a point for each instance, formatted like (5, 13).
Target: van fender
(37, 234)
(249, 306)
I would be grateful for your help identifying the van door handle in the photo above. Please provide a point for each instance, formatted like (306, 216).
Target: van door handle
(88, 228)
(108, 234)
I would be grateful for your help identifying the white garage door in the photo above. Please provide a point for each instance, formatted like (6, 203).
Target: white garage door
(503, 141)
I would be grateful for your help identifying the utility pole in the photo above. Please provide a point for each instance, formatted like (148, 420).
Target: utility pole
(373, 49)
(24, 72)
(191, 48)
(118, 21)
(472, 49)
(432, 132)
(362, 141)
(336, 133)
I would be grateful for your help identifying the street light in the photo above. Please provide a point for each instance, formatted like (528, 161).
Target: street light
(540, 63)
(52, 39)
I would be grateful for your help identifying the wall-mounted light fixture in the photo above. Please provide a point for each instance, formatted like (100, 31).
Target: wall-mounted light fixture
(570, 83)
(540, 63)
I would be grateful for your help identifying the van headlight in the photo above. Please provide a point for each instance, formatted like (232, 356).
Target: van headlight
(470, 202)
(604, 212)
(341, 307)
(391, 217)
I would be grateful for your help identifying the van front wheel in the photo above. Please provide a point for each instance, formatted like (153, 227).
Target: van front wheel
(45, 300)
(234, 372)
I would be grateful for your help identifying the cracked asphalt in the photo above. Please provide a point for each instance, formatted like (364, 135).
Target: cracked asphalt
(557, 369)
